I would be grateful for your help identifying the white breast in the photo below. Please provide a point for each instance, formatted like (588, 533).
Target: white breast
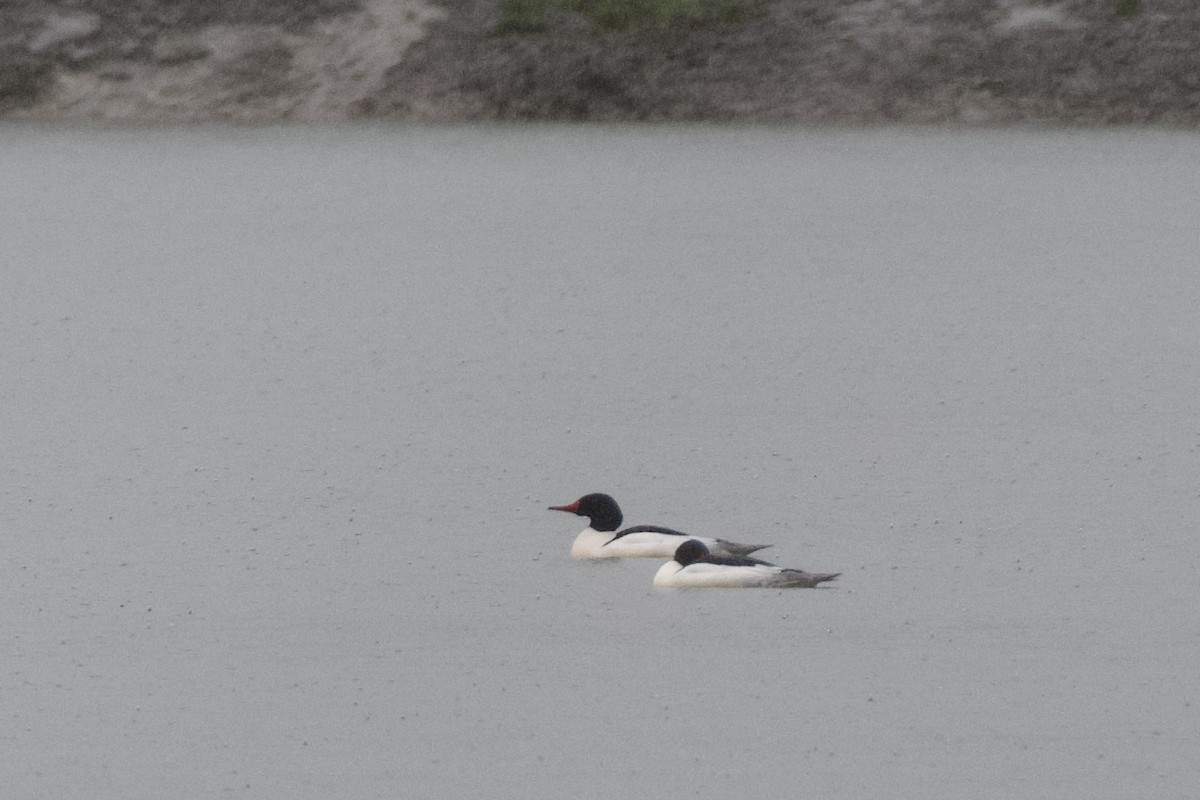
(600, 544)
(713, 576)
(589, 544)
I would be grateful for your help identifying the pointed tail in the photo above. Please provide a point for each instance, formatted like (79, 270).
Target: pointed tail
(804, 580)
(736, 549)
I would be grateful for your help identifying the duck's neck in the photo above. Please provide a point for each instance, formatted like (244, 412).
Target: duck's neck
(588, 544)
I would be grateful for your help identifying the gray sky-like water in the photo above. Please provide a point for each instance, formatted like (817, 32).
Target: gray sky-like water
(284, 410)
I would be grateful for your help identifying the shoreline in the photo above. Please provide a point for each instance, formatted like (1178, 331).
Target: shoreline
(808, 62)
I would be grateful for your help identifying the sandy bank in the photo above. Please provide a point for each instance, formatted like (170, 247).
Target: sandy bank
(806, 61)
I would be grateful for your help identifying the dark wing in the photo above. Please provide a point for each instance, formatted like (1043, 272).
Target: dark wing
(736, 561)
(649, 529)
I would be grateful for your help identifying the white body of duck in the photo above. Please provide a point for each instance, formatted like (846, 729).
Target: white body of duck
(695, 567)
(601, 539)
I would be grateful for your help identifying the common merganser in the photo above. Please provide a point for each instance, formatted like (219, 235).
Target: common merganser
(601, 539)
(695, 567)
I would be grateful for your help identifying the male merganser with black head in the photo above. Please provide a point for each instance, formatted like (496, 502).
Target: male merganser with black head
(695, 567)
(601, 539)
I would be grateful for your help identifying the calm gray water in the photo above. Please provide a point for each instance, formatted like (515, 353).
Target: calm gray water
(283, 411)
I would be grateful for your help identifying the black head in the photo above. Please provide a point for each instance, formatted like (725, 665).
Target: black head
(690, 552)
(601, 509)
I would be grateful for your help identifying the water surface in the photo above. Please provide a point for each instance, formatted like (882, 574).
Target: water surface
(284, 410)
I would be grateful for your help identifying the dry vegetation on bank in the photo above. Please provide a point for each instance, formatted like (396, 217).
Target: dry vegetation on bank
(804, 61)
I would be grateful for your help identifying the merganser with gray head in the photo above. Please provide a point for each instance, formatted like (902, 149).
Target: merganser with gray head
(696, 567)
(602, 539)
